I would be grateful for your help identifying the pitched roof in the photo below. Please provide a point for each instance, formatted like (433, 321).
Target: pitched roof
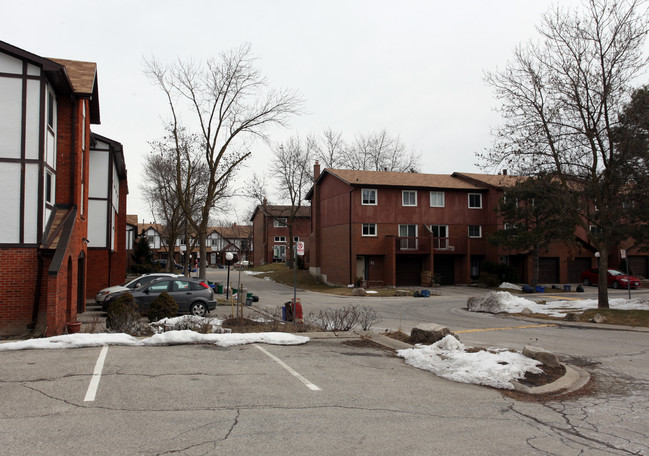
(131, 220)
(281, 211)
(83, 77)
(396, 179)
(491, 180)
(235, 231)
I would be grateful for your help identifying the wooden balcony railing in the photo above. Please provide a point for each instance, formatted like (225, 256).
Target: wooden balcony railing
(413, 245)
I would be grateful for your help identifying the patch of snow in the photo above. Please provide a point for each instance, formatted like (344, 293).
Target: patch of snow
(371, 291)
(510, 286)
(449, 359)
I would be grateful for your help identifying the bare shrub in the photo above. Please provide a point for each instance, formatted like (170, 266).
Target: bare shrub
(367, 317)
(123, 317)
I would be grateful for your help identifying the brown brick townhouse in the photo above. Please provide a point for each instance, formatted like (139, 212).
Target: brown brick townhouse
(270, 232)
(395, 229)
(62, 190)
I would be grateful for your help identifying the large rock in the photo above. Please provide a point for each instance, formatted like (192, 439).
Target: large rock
(542, 355)
(429, 333)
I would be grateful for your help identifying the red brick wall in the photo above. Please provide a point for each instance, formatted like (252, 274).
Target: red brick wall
(17, 289)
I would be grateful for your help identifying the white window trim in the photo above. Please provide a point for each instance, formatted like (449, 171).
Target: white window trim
(479, 234)
(376, 197)
(280, 239)
(369, 225)
(403, 192)
(469, 201)
(443, 199)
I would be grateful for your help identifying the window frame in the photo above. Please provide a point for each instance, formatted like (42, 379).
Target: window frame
(479, 195)
(279, 240)
(408, 192)
(443, 194)
(479, 236)
(278, 223)
(369, 203)
(369, 233)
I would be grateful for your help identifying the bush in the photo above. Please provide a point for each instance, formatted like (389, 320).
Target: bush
(123, 317)
(502, 271)
(164, 306)
(489, 279)
(345, 318)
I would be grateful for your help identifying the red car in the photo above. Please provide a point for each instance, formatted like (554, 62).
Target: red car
(614, 278)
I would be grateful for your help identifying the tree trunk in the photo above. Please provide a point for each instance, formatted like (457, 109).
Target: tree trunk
(602, 287)
(202, 249)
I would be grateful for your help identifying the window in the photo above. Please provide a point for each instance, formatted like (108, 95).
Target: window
(437, 199)
(595, 230)
(50, 110)
(369, 197)
(409, 198)
(159, 287)
(280, 238)
(475, 200)
(296, 239)
(475, 231)
(369, 229)
(440, 235)
(408, 233)
(48, 187)
(279, 222)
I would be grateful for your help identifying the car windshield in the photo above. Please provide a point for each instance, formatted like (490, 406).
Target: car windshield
(615, 272)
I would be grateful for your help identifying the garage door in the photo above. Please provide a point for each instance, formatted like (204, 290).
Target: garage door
(548, 270)
(576, 267)
(445, 267)
(408, 270)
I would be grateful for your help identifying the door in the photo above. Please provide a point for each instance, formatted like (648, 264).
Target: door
(440, 233)
(183, 293)
(444, 267)
(408, 272)
(146, 296)
(548, 270)
(576, 267)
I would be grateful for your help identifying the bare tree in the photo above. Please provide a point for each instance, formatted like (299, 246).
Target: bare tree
(560, 101)
(376, 151)
(231, 106)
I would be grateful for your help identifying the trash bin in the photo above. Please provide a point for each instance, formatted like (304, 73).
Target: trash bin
(425, 293)
(540, 289)
(287, 311)
(566, 288)
(249, 301)
(219, 288)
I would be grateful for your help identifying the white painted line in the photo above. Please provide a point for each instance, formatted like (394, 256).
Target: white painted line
(292, 371)
(96, 375)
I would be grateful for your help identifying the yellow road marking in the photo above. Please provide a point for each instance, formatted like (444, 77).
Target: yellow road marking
(563, 298)
(504, 329)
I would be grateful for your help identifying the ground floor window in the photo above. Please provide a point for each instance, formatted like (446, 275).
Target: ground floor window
(279, 253)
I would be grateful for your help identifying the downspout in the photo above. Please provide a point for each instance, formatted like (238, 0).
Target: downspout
(351, 279)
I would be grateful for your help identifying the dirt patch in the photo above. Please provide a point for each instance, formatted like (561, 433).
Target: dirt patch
(549, 375)
(398, 335)
(364, 342)
(245, 325)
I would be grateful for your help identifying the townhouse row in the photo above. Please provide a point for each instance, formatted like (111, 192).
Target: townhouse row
(63, 192)
(402, 229)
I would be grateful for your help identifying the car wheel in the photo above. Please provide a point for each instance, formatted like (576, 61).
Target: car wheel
(616, 284)
(198, 309)
(587, 282)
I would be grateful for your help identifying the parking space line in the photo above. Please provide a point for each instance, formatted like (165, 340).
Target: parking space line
(96, 375)
(308, 384)
(503, 329)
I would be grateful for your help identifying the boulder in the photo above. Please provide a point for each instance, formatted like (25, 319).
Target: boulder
(402, 293)
(429, 333)
(599, 318)
(359, 292)
(542, 355)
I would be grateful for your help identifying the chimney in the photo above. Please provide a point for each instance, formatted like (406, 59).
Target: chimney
(316, 170)
(504, 172)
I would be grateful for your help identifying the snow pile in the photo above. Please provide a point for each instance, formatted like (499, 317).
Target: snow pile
(497, 302)
(510, 286)
(167, 338)
(505, 302)
(449, 359)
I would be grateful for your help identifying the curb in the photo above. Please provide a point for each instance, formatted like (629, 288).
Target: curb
(574, 379)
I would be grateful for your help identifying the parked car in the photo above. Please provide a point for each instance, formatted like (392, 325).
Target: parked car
(105, 293)
(193, 296)
(242, 264)
(614, 278)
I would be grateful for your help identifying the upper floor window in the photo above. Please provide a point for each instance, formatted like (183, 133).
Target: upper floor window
(48, 187)
(409, 197)
(369, 196)
(280, 222)
(50, 110)
(369, 229)
(475, 231)
(280, 238)
(437, 199)
(475, 200)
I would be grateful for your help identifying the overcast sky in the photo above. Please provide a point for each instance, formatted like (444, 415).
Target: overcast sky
(414, 68)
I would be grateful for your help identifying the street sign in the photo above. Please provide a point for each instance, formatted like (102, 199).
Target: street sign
(300, 248)
(623, 253)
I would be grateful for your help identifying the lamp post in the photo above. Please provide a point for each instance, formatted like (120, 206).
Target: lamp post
(228, 258)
